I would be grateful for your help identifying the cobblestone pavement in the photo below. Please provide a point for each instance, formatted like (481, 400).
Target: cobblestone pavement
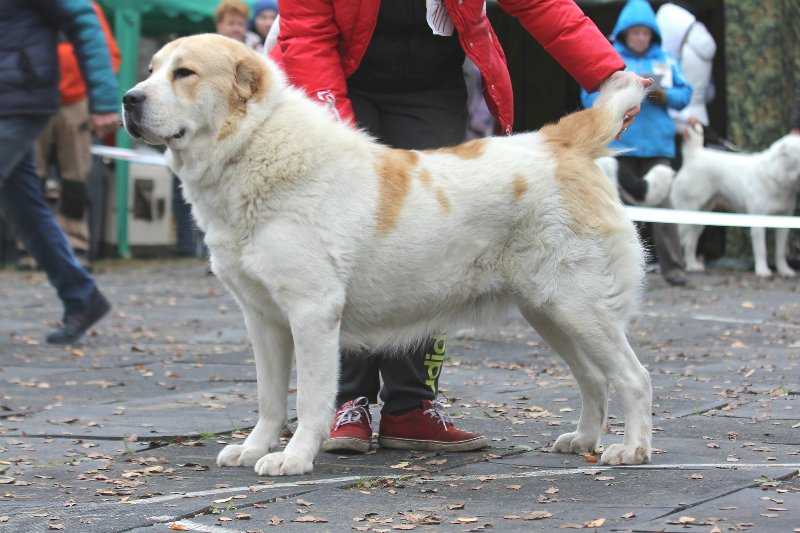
(120, 433)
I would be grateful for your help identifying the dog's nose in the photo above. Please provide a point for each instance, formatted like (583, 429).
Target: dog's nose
(133, 99)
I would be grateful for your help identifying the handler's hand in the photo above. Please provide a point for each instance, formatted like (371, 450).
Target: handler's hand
(631, 113)
(104, 123)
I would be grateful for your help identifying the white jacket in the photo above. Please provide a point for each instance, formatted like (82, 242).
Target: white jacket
(688, 41)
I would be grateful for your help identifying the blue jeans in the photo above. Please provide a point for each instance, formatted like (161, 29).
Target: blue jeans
(32, 218)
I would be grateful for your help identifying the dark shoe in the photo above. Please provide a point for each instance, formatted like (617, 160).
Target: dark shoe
(428, 429)
(676, 278)
(352, 428)
(76, 324)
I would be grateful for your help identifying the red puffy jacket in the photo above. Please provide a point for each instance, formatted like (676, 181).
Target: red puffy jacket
(321, 43)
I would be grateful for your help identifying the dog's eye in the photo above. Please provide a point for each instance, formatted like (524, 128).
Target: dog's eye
(183, 73)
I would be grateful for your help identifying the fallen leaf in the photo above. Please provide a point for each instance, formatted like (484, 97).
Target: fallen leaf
(304, 503)
(242, 516)
(55, 526)
(513, 487)
(687, 520)
(597, 522)
(175, 526)
(537, 515)
(5, 480)
(628, 516)
(551, 490)
(590, 457)
(604, 478)
(401, 464)
(310, 519)
(275, 521)
(696, 476)
(455, 506)
(404, 527)
(465, 520)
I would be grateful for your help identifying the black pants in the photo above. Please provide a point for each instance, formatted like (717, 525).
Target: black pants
(665, 236)
(419, 120)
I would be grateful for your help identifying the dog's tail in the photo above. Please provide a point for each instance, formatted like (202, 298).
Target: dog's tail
(590, 131)
(692, 139)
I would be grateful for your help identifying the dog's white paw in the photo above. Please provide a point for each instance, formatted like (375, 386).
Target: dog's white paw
(283, 464)
(621, 454)
(695, 266)
(574, 442)
(241, 455)
(763, 272)
(787, 272)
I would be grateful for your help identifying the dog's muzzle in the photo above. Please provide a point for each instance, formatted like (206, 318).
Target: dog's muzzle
(132, 104)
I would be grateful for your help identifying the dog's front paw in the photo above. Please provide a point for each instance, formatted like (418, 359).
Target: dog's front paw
(283, 464)
(574, 442)
(787, 272)
(241, 455)
(764, 272)
(622, 454)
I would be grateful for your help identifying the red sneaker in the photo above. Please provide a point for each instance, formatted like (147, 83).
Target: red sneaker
(428, 429)
(352, 428)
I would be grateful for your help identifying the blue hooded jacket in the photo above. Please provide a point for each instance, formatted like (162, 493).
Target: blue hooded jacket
(652, 134)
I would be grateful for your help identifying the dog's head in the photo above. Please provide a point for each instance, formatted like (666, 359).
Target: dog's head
(199, 85)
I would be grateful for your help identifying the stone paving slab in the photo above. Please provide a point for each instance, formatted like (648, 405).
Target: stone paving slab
(724, 359)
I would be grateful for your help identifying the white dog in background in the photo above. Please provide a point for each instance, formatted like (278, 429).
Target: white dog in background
(764, 183)
(328, 239)
(658, 179)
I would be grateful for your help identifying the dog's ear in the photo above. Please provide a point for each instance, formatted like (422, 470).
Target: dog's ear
(249, 78)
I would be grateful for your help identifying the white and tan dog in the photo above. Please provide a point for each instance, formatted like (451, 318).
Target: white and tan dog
(764, 183)
(328, 239)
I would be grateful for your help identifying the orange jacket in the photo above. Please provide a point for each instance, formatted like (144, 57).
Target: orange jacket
(72, 87)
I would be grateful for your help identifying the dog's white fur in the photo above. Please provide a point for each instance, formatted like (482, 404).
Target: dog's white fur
(764, 183)
(328, 239)
(659, 181)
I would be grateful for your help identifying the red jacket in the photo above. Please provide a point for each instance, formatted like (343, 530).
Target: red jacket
(321, 43)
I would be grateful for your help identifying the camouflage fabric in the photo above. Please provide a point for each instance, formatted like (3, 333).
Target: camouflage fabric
(762, 56)
(763, 69)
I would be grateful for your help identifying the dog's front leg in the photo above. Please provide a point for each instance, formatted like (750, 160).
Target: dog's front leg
(272, 348)
(758, 236)
(315, 329)
(781, 239)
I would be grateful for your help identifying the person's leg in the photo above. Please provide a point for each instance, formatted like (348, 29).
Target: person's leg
(73, 140)
(665, 238)
(359, 381)
(43, 237)
(21, 195)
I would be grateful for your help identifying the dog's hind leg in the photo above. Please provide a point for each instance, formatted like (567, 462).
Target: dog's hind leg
(593, 334)
(781, 239)
(689, 236)
(758, 236)
(591, 380)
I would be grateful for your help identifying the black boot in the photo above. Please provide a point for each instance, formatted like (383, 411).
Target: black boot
(76, 324)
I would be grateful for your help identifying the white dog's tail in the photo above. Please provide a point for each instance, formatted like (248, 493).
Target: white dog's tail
(590, 131)
(692, 139)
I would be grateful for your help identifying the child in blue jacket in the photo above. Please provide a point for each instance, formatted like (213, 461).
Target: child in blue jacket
(650, 140)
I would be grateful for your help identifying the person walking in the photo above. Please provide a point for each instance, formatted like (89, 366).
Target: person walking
(394, 68)
(650, 141)
(29, 96)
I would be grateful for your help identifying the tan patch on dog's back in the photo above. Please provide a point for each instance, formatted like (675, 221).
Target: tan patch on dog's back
(587, 194)
(443, 201)
(468, 150)
(520, 187)
(394, 168)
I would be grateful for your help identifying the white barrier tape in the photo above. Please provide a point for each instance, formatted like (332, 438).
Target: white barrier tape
(705, 218)
(125, 154)
(638, 214)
